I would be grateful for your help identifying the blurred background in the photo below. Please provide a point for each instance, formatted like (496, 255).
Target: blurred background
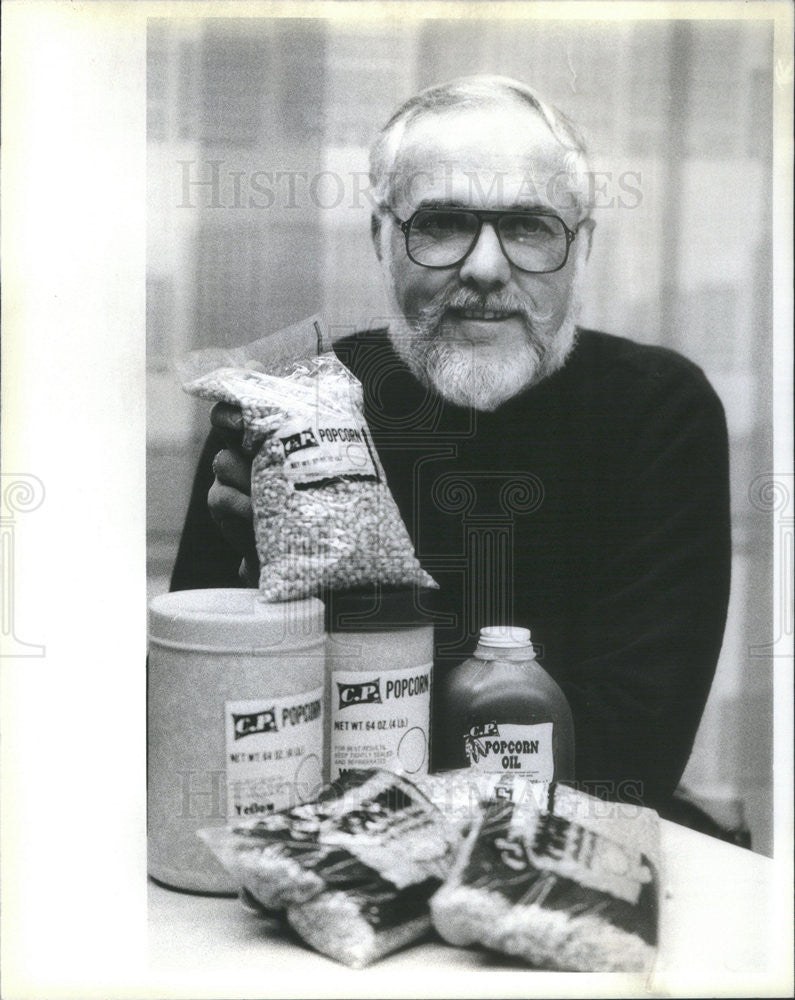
(258, 132)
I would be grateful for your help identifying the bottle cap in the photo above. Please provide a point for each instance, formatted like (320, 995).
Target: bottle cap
(506, 637)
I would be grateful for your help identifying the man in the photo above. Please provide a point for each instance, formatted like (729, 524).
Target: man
(550, 477)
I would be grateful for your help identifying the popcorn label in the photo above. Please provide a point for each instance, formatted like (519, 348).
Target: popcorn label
(274, 752)
(317, 451)
(381, 720)
(525, 750)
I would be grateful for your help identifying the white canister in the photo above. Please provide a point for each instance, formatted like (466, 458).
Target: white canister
(235, 721)
(378, 681)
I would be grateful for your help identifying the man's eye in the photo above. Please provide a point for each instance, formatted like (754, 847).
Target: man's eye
(527, 227)
(437, 225)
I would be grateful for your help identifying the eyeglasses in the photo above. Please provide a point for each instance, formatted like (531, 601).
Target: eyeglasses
(534, 241)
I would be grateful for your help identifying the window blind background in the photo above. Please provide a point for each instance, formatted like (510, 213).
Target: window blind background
(258, 132)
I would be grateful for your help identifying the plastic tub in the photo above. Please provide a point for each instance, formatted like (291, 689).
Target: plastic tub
(379, 674)
(235, 721)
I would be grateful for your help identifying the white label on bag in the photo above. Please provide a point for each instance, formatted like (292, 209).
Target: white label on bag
(325, 448)
(380, 719)
(525, 750)
(555, 843)
(274, 752)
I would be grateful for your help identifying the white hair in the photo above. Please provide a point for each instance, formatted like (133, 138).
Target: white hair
(474, 92)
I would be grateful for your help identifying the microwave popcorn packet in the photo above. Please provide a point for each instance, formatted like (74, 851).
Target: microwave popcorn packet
(538, 871)
(352, 871)
(571, 884)
(360, 924)
(324, 517)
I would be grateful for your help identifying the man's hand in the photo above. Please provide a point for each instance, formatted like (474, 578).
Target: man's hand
(229, 499)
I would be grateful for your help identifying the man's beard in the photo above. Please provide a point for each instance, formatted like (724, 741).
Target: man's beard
(476, 375)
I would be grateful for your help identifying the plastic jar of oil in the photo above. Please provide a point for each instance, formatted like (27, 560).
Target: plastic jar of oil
(503, 712)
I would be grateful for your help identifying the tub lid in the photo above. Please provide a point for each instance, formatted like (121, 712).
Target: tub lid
(234, 619)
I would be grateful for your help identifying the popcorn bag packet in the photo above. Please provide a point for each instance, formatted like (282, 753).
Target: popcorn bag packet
(562, 880)
(537, 871)
(324, 517)
(352, 871)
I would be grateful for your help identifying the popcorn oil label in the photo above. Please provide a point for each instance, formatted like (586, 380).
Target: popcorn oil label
(380, 720)
(525, 750)
(274, 752)
(326, 448)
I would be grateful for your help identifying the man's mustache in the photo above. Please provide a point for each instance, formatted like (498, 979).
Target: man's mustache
(467, 299)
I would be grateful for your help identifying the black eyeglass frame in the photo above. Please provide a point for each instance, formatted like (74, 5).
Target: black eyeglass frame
(483, 214)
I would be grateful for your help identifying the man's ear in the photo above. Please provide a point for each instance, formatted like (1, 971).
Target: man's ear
(587, 227)
(375, 233)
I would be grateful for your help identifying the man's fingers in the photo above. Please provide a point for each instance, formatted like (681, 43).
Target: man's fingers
(233, 469)
(229, 421)
(231, 511)
(239, 535)
(226, 502)
(224, 416)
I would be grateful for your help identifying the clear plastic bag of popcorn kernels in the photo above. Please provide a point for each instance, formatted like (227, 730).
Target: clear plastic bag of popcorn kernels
(571, 884)
(352, 871)
(324, 518)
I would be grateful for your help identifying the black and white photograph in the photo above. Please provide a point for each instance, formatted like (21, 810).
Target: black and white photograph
(397, 499)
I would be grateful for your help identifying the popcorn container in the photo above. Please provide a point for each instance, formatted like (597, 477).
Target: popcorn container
(378, 680)
(235, 721)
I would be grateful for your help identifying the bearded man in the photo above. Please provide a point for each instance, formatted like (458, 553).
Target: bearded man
(551, 477)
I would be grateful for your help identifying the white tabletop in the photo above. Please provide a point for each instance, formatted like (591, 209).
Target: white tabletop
(715, 940)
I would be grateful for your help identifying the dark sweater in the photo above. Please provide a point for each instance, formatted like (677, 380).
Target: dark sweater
(593, 509)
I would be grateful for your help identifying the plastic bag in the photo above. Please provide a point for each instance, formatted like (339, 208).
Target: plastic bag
(354, 869)
(360, 924)
(461, 795)
(324, 517)
(571, 885)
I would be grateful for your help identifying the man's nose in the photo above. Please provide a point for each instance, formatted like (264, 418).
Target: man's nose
(486, 266)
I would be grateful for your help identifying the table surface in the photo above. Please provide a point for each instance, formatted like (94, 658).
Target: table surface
(717, 938)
